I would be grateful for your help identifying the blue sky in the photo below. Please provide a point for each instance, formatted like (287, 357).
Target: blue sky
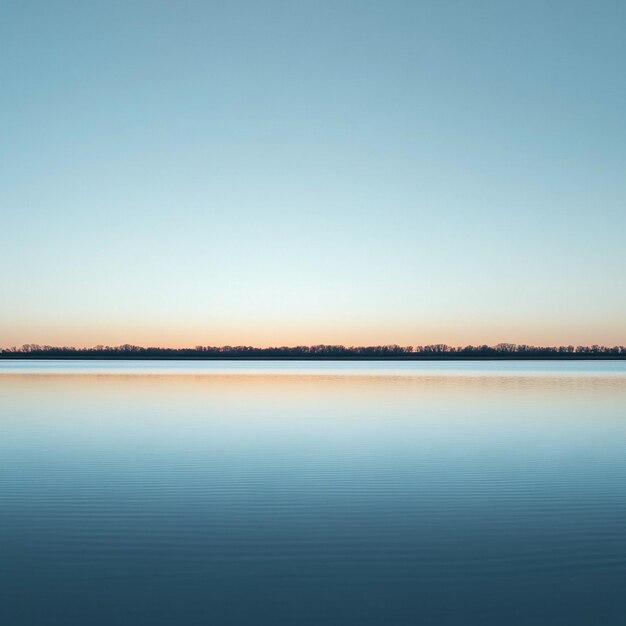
(181, 173)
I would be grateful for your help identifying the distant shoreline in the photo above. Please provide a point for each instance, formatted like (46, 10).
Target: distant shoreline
(443, 357)
(320, 352)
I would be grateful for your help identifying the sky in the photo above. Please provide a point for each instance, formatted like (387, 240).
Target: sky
(183, 173)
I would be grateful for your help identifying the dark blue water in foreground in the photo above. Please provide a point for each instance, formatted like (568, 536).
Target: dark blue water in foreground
(324, 493)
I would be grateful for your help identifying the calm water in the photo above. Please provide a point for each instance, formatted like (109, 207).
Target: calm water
(163, 493)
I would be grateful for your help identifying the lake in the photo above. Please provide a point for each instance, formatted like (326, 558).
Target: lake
(330, 493)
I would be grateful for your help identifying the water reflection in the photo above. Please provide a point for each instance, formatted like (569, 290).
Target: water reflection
(313, 497)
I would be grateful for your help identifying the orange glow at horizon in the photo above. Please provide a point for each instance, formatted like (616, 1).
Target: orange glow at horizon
(285, 335)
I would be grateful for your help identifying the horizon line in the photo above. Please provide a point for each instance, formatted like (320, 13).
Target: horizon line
(321, 350)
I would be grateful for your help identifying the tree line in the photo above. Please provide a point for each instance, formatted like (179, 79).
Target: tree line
(323, 351)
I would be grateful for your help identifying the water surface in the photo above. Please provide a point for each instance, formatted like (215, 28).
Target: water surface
(312, 493)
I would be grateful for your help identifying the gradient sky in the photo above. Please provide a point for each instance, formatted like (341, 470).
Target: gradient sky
(185, 172)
